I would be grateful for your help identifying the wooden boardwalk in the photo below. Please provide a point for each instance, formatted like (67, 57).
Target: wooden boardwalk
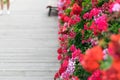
(28, 42)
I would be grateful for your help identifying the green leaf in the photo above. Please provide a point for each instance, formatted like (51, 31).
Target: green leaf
(72, 2)
(67, 11)
(80, 72)
(106, 64)
(101, 2)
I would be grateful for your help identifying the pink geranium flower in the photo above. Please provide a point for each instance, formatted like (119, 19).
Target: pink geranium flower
(94, 28)
(75, 78)
(95, 76)
(59, 57)
(72, 34)
(94, 12)
(76, 54)
(87, 16)
(101, 22)
(116, 7)
(72, 48)
(59, 50)
(62, 69)
(74, 20)
(69, 71)
(63, 37)
(99, 25)
(62, 50)
(66, 18)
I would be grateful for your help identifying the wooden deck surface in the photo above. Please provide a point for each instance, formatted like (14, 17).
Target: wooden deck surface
(28, 42)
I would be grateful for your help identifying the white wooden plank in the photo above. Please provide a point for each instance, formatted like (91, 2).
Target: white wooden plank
(12, 73)
(28, 42)
(26, 78)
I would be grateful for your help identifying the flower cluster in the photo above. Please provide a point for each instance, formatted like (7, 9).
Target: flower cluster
(92, 56)
(113, 73)
(89, 40)
(95, 76)
(69, 71)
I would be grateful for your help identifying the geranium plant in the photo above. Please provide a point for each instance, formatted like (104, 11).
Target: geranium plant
(89, 37)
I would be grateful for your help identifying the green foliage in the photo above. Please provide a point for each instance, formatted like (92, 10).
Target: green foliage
(101, 2)
(79, 26)
(86, 6)
(114, 26)
(88, 34)
(106, 63)
(72, 2)
(61, 22)
(78, 39)
(67, 11)
(71, 41)
(80, 72)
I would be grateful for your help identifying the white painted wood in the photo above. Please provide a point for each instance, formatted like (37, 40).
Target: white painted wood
(28, 42)
(52, 2)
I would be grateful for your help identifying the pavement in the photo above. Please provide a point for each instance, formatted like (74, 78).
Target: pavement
(28, 42)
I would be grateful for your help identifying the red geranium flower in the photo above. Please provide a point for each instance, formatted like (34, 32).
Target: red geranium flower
(76, 9)
(74, 20)
(87, 16)
(95, 76)
(94, 28)
(94, 12)
(111, 74)
(72, 34)
(72, 48)
(76, 53)
(75, 78)
(61, 69)
(93, 56)
(59, 57)
(114, 46)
